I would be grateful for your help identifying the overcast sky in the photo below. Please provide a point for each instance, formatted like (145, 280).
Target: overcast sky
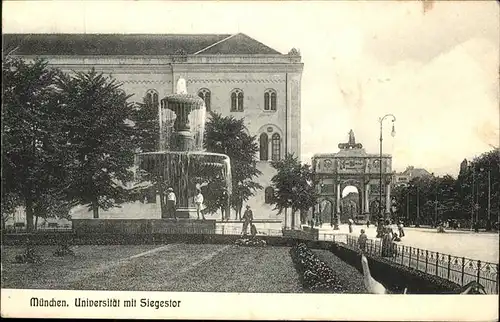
(437, 71)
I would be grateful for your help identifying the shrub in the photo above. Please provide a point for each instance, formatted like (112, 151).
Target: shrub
(250, 242)
(314, 274)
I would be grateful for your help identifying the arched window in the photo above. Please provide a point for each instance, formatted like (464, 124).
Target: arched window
(270, 100)
(276, 147)
(152, 98)
(264, 147)
(237, 100)
(269, 195)
(205, 96)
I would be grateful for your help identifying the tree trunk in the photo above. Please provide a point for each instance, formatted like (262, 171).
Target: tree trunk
(36, 223)
(95, 209)
(293, 219)
(162, 203)
(29, 213)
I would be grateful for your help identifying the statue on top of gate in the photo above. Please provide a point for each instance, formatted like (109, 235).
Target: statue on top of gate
(351, 144)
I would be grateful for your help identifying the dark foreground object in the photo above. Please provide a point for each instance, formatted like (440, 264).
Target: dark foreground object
(396, 277)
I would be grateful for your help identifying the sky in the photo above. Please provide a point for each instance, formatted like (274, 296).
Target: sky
(436, 71)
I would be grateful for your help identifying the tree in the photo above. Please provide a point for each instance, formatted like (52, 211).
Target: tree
(32, 141)
(480, 177)
(293, 186)
(101, 139)
(227, 135)
(10, 201)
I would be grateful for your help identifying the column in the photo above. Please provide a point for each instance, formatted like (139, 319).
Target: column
(338, 199)
(388, 198)
(367, 198)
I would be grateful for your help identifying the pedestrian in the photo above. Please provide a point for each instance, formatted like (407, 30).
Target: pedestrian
(247, 219)
(224, 205)
(367, 224)
(400, 229)
(171, 203)
(350, 222)
(198, 201)
(362, 240)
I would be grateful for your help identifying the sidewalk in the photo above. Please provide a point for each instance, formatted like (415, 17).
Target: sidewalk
(449, 230)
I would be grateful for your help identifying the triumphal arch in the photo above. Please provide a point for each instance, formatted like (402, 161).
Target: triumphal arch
(352, 166)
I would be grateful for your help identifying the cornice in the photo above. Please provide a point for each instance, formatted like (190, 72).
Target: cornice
(145, 81)
(236, 81)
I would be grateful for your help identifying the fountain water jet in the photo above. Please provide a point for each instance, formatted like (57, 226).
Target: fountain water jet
(181, 157)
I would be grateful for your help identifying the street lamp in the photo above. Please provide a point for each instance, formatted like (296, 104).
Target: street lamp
(393, 133)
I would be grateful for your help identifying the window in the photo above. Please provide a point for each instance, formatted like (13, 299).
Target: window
(205, 96)
(152, 98)
(270, 100)
(269, 195)
(276, 146)
(264, 145)
(237, 100)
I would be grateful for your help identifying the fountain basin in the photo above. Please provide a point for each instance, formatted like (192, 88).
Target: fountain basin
(183, 171)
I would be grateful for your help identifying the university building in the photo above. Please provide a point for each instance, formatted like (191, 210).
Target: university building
(234, 74)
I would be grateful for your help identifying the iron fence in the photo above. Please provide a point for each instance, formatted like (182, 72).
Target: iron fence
(460, 270)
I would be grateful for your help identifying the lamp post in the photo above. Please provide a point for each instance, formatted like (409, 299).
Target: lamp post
(393, 133)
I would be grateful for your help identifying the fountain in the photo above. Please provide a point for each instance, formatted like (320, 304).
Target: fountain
(181, 162)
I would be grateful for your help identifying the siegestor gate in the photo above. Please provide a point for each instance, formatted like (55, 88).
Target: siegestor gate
(353, 166)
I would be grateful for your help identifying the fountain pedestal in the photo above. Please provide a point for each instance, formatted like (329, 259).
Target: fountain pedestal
(182, 141)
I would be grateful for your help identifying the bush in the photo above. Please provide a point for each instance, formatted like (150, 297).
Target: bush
(250, 242)
(28, 257)
(314, 274)
(396, 277)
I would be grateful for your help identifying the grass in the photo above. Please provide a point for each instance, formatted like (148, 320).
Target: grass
(173, 267)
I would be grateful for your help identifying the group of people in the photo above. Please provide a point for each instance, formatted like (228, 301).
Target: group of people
(386, 233)
(171, 203)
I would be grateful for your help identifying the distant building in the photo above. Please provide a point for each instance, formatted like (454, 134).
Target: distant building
(410, 173)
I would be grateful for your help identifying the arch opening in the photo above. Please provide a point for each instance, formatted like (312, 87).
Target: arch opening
(350, 204)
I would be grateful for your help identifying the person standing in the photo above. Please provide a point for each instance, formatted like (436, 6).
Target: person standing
(171, 203)
(362, 240)
(367, 224)
(198, 201)
(224, 205)
(400, 229)
(247, 220)
(350, 222)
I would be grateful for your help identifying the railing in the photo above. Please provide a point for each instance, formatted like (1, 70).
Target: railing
(460, 270)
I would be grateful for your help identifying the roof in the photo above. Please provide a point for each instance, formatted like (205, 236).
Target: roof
(416, 172)
(134, 44)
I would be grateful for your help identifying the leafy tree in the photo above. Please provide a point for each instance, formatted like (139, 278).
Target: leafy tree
(227, 135)
(146, 123)
(33, 143)
(100, 136)
(10, 201)
(482, 174)
(293, 186)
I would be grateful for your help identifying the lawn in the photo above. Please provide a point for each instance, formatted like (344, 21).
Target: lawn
(173, 267)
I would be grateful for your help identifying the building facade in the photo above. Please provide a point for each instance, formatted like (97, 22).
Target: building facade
(234, 74)
(404, 178)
